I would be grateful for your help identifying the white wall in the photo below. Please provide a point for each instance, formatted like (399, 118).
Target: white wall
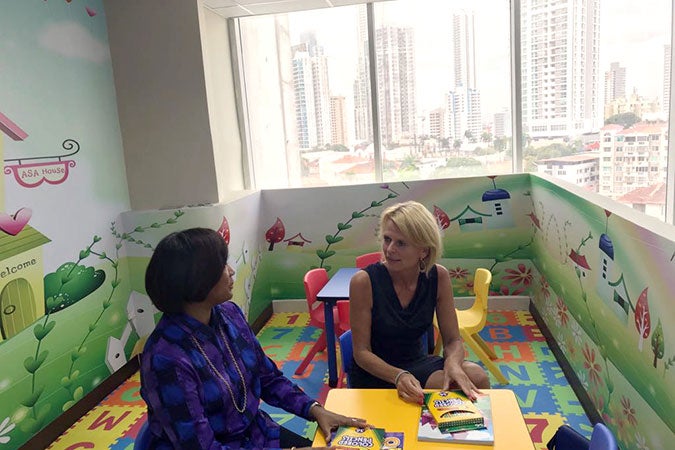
(161, 89)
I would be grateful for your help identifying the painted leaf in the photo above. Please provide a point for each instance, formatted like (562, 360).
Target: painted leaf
(33, 398)
(642, 319)
(275, 234)
(441, 217)
(224, 230)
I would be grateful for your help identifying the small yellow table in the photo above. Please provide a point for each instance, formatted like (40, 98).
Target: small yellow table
(382, 408)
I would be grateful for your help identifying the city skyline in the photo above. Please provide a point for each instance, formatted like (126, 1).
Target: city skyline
(623, 39)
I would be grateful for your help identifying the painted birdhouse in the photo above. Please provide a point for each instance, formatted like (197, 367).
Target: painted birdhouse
(22, 299)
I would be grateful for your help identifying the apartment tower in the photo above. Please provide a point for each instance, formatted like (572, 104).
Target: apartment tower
(560, 67)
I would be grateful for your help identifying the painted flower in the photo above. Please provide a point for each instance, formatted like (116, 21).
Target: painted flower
(458, 273)
(521, 276)
(641, 442)
(576, 332)
(544, 287)
(628, 411)
(591, 365)
(5, 428)
(465, 286)
(583, 380)
(504, 290)
(561, 315)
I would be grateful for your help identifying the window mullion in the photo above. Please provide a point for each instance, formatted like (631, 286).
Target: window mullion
(516, 90)
(372, 69)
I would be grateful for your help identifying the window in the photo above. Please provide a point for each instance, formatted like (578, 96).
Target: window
(438, 103)
(610, 81)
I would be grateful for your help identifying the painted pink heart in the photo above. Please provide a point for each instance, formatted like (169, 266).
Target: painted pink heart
(14, 224)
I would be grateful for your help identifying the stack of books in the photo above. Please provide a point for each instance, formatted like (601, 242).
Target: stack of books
(367, 439)
(449, 416)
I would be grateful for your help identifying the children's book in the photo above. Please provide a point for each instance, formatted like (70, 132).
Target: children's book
(453, 411)
(367, 439)
(428, 429)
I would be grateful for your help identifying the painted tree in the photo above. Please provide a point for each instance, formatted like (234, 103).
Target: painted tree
(642, 319)
(275, 234)
(658, 343)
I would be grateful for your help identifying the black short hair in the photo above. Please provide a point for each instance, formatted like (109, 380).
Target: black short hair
(184, 268)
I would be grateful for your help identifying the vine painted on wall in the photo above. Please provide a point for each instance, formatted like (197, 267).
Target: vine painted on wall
(69, 284)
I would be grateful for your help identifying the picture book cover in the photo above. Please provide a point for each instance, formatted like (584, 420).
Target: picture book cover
(429, 431)
(453, 411)
(359, 438)
(393, 441)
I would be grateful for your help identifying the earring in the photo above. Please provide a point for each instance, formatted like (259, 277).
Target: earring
(423, 266)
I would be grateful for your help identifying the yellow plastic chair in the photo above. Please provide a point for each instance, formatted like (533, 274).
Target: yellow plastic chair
(471, 322)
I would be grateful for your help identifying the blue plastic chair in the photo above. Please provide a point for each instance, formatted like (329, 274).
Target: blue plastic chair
(602, 438)
(346, 352)
(142, 441)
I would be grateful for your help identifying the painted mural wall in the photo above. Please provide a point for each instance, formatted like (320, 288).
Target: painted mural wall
(73, 307)
(63, 287)
(606, 291)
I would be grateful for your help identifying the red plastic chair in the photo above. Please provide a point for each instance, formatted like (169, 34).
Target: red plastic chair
(314, 280)
(367, 259)
(343, 319)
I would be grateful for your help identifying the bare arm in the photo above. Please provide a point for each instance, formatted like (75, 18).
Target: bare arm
(453, 345)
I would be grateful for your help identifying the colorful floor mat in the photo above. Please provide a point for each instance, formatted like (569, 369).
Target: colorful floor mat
(546, 399)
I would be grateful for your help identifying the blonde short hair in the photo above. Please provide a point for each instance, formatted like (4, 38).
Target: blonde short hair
(418, 225)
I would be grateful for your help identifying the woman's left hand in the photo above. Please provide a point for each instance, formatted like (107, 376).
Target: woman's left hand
(329, 420)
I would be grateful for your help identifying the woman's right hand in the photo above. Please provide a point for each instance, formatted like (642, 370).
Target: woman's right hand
(409, 389)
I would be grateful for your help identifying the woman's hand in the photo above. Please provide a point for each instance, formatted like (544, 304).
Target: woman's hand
(328, 420)
(409, 388)
(459, 377)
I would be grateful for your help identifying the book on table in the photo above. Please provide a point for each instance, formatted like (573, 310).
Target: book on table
(453, 411)
(367, 439)
(428, 429)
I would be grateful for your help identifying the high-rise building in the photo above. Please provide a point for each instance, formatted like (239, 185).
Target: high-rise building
(363, 124)
(464, 49)
(312, 98)
(502, 124)
(338, 125)
(463, 118)
(615, 82)
(395, 57)
(666, 80)
(463, 103)
(560, 67)
(437, 123)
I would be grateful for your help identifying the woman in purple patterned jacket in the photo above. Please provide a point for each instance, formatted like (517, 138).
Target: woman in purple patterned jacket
(203, 372)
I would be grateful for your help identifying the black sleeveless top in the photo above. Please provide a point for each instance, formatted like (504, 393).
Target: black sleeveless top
(397, 333)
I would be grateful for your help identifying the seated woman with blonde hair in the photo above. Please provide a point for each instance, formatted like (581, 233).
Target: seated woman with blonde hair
(392, 305)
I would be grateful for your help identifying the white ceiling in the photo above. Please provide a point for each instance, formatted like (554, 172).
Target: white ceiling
(238, 8)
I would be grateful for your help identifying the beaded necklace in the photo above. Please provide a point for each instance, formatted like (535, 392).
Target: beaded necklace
(219, 375)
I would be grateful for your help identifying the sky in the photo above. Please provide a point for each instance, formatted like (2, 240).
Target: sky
(631, 33)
